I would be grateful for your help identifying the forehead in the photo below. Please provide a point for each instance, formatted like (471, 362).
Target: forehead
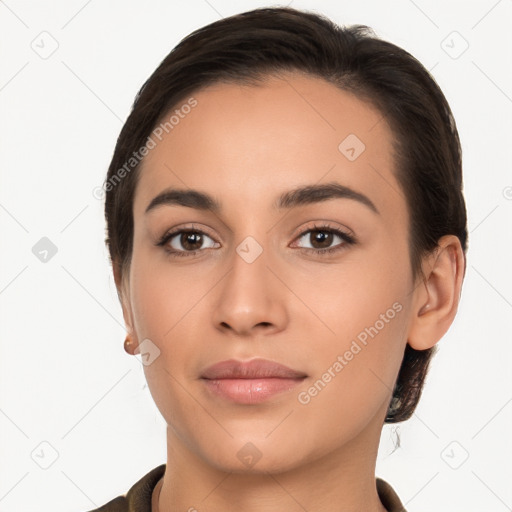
(291, 130)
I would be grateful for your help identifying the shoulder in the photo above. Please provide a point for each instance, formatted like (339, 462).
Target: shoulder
(138, 498)
(389, 497)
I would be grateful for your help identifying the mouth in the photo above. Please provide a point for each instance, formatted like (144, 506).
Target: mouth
(250, 382)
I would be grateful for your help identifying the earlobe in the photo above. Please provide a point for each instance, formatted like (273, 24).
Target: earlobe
(437, 299)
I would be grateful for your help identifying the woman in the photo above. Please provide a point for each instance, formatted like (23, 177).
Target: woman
(287, 232)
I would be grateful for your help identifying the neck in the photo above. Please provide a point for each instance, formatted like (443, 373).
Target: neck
(341, 480)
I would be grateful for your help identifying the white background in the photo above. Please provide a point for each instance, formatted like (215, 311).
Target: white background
(65, 379)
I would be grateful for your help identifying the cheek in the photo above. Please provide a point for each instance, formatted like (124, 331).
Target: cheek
(363, 314)
(163, 307)
(168, 305)
(354, 369)
(161, 293)
(347, 297)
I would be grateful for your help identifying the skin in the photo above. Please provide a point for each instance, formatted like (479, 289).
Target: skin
(245, 145)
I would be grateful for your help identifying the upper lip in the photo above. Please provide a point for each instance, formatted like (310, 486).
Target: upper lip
(253, 369)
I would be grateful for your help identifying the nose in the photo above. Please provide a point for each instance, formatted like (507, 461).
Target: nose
(251, 300)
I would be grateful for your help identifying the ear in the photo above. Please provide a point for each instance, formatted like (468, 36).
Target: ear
(122, 286)
(437, 298)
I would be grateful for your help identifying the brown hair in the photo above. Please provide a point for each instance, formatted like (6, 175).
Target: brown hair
(247, 47)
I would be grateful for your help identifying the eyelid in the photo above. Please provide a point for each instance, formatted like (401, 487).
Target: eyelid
(187, 227)
(323, 225)
(346, 234)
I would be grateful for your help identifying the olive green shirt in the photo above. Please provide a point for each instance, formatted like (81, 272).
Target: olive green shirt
(138, 498)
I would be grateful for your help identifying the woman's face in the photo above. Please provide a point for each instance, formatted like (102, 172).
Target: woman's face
(271, 274)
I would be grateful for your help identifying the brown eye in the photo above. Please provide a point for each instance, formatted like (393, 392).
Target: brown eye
(321, 239)
(190, 241)
(186, 242)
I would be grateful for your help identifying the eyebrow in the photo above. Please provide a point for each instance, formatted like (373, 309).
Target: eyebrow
(291, 199)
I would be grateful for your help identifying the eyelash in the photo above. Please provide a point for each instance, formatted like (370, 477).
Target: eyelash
(347, 240)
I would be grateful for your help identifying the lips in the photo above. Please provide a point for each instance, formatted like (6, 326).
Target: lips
(254, 369)
(250, 382)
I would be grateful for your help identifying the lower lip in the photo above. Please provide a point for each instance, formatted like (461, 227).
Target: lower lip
(250, 391)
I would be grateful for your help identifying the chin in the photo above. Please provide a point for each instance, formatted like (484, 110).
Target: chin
(253, 455)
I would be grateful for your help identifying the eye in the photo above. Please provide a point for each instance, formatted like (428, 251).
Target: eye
(186, 242)
(190, 241)
(321, 239)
